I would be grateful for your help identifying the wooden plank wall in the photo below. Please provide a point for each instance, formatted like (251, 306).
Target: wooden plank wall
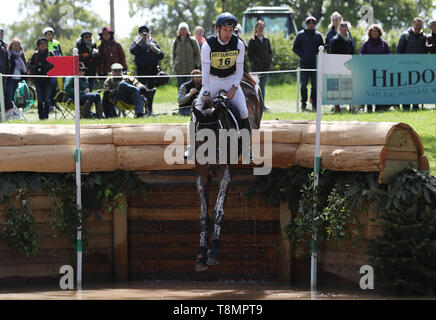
(55, 252)
(338, 258)
(164, 231)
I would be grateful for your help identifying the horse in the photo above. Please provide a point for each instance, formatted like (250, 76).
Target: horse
(220, 115)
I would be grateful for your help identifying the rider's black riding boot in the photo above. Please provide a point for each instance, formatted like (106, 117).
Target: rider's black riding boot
(245, 124)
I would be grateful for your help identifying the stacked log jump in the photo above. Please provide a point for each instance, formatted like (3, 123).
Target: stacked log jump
(345, 146)
(159, 236)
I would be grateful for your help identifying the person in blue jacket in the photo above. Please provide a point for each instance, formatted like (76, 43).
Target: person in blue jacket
(306, 46)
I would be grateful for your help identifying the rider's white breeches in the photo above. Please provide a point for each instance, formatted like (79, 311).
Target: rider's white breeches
(218, 84)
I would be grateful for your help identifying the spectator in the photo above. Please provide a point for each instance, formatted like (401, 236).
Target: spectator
(88, 54)
(3, 57)
(188, 93)
(238, 31)
(125, 88)
(55, 47)
(260, 54)
(335, 20)
(375, 45)
(306, 46)
(39, 65)
(342, 43)
(431, 38)
(186, 53)
(199, 35)
(17, 66)
(110, 51)
(412, 41)
(147, 56)
(87, 98)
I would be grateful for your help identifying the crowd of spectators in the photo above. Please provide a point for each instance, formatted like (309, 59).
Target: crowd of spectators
(108, 57)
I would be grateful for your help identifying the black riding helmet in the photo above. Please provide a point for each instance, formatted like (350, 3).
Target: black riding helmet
(226, 19)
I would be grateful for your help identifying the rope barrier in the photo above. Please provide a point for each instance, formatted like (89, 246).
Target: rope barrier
(151, 76)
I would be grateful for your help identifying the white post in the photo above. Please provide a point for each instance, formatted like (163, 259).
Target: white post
(317, 164)
(78, 160)
(298, 88)
(2, 99)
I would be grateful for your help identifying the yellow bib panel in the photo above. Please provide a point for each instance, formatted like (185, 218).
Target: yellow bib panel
(223, 60)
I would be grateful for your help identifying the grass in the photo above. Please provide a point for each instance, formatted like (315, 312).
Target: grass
(281, 99)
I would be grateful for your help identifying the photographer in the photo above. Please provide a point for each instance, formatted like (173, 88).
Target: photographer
(147, 57)
(88, 54)
(39, 65)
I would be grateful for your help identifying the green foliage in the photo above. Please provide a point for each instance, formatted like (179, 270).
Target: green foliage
(19, 231)
(404, 255)
(67, 17)
(100, 192)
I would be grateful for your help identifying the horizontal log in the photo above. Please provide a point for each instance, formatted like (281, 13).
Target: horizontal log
(151, 157)
(235, 213)
(57, 158)
(150, 135)
(348, 158)
(22, 135)
(348, 133)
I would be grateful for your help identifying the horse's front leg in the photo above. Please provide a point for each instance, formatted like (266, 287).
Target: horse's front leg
(224, 178)
(202, 187)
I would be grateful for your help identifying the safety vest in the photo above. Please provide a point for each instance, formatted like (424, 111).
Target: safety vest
(223, 57)
(54, 45)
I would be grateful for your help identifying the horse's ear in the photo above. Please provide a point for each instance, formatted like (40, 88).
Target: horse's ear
(197, 114)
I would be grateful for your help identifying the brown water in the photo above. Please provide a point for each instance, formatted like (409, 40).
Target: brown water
(167, 290)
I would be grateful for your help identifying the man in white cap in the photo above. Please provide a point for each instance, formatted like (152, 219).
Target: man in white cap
(124, 88)
(186, 54)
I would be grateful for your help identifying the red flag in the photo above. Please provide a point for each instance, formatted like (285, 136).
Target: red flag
(64, 66)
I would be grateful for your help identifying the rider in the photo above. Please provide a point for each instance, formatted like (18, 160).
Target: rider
(222, 61)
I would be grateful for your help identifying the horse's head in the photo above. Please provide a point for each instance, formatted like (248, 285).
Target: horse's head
(210, 115)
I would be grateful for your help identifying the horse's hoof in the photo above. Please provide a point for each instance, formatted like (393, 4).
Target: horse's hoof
(213, 254)
(200, 266)
(212, 261)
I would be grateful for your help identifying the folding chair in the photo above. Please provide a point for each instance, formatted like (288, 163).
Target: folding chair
(64, 105)
(24, 98)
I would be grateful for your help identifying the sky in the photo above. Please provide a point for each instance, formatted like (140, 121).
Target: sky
(123, 21)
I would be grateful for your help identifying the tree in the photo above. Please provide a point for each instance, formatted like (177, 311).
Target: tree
(67, 18)
(392, 14)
